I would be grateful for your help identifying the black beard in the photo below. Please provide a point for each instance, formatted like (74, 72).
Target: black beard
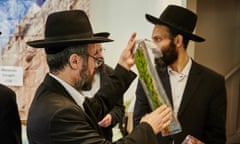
(170, 55)
(159, 62)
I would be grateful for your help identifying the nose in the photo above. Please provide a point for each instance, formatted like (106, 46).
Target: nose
(99, 61)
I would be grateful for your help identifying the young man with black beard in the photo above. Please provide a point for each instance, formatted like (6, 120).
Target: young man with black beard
(197, 94)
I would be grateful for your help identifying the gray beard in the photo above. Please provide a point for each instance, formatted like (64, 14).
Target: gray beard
(85, 86)
(86, 83)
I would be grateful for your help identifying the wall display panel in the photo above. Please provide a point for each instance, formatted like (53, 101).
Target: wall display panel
(22, 21)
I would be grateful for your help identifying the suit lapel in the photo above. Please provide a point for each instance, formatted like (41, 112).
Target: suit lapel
(91, 117)
(164, 77)
(192, 84)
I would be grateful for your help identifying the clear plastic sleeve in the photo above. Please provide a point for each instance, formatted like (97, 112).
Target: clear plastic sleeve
(191, 140)
(145, 51)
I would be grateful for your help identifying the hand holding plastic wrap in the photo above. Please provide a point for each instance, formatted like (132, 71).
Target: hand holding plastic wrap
(191, 140)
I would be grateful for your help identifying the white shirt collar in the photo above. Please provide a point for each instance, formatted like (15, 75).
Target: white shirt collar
(184, 72)
(78, 98)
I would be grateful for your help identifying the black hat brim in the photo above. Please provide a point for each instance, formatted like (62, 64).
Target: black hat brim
(191, 36)
(48, 43)
(102, 34)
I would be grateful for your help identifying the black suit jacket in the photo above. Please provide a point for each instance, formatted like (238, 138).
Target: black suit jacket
(10, 124)
(54, 117)
(117, 112)
(202, 112)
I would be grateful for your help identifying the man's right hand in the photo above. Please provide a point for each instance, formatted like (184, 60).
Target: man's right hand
(158, 119)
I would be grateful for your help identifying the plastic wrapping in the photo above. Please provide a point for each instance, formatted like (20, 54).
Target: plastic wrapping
(191, 140)
(144, 53)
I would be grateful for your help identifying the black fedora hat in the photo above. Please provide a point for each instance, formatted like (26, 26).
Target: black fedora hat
(67, 28)
(102, 34)
(178, 18)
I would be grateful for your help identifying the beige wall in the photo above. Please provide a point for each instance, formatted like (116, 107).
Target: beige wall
(219, 23)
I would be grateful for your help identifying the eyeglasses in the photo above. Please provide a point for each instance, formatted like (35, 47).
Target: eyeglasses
(99, 61)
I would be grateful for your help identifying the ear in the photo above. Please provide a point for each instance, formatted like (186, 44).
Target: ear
(178, 40)
(74, 61)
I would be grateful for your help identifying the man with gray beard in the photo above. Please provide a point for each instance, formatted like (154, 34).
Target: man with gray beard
(59, 112)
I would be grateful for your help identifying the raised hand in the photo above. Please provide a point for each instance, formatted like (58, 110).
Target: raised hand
(127, 57)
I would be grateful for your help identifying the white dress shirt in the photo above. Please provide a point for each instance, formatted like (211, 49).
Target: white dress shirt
(178, 82)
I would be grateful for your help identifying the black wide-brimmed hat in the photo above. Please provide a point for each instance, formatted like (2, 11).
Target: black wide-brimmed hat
(102, 34)
(178, 18)
(67, 28)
